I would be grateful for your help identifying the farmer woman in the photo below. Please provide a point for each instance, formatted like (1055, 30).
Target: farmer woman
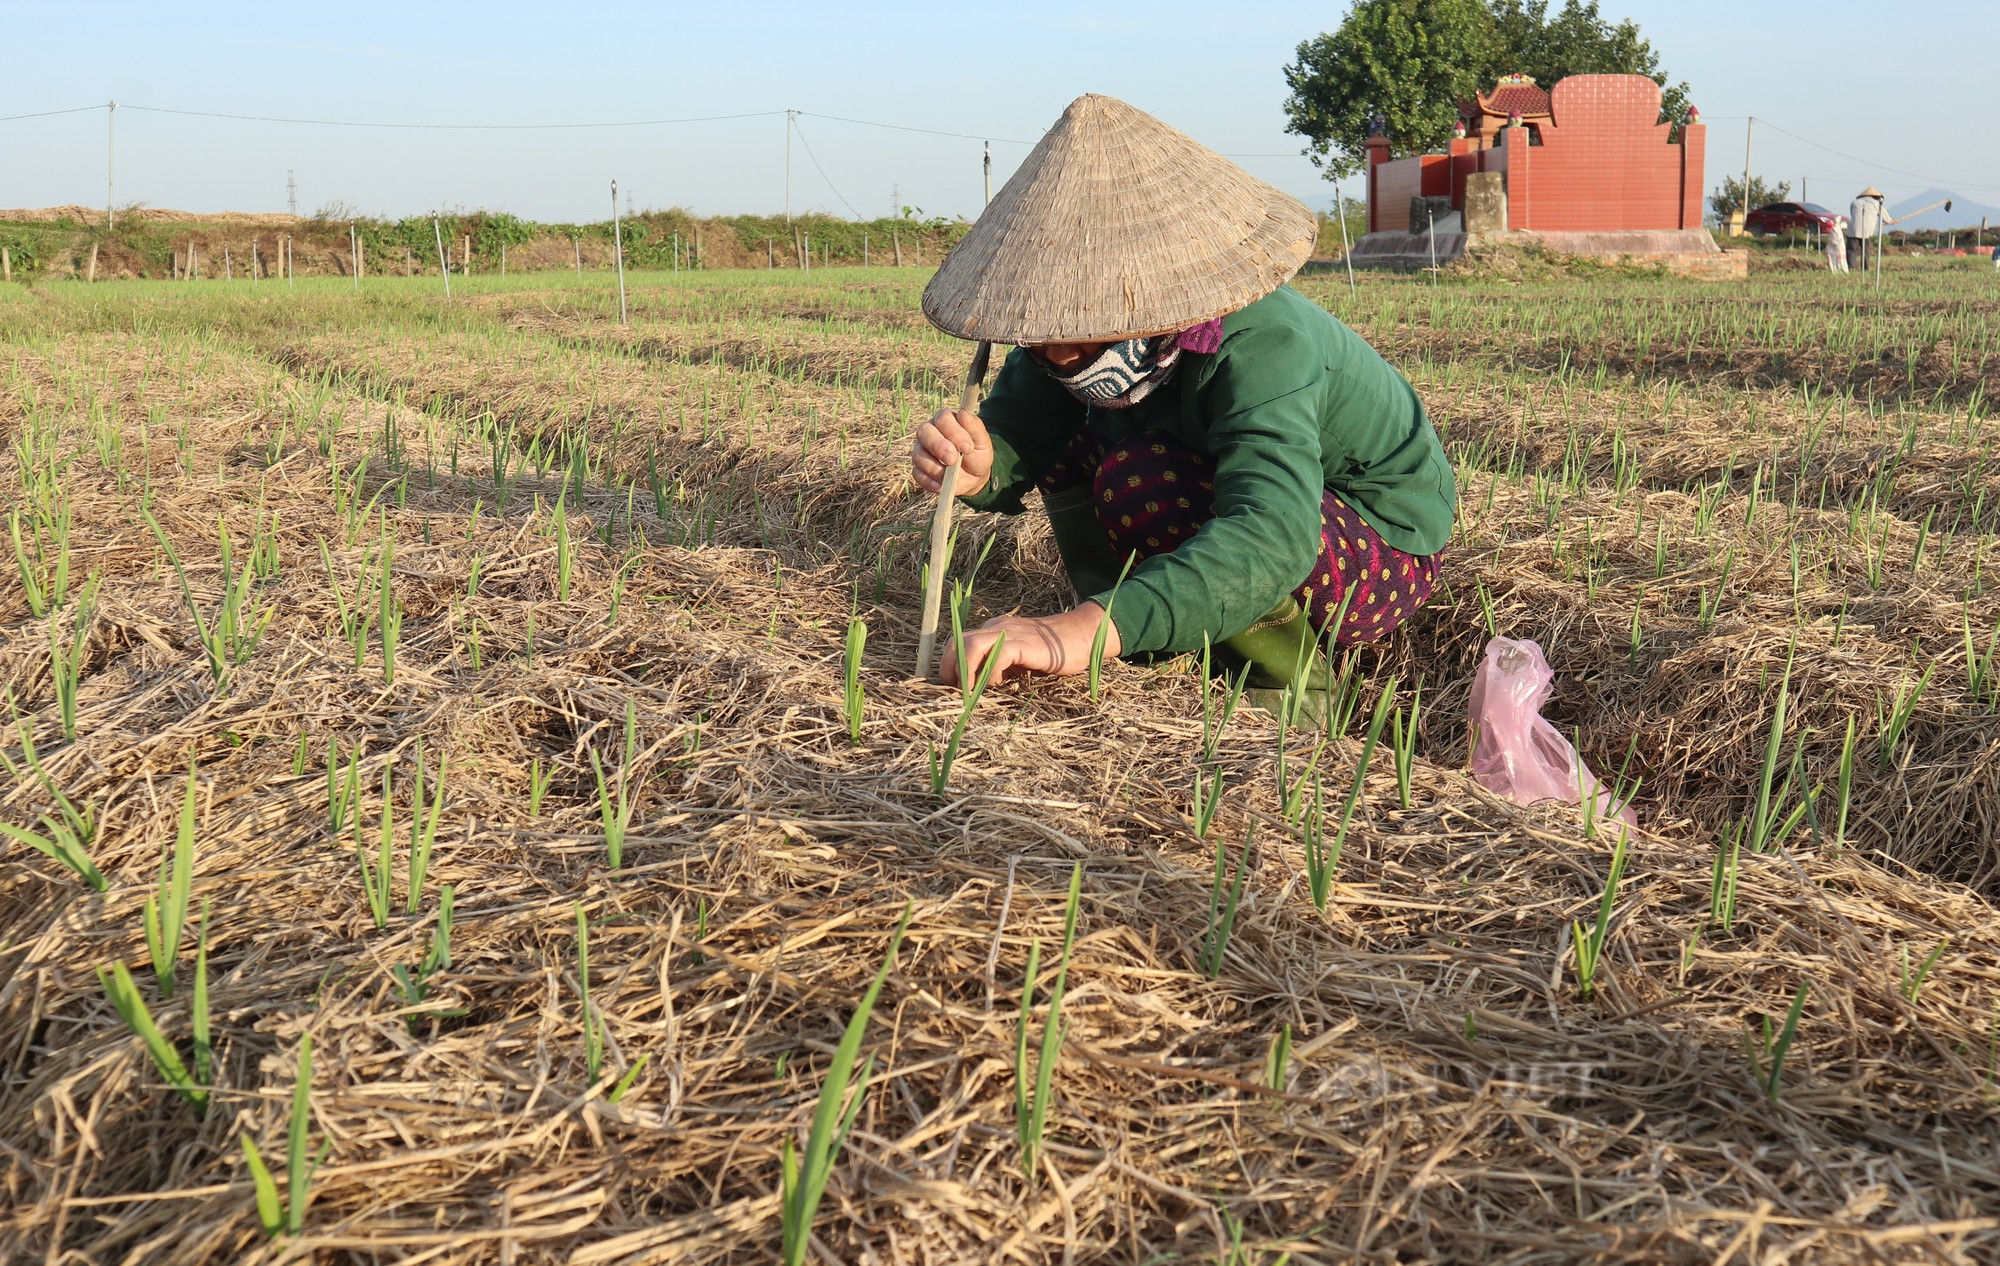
(1264, 470)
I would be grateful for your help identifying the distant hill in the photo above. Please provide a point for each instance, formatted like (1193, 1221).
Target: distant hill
(1964, 213)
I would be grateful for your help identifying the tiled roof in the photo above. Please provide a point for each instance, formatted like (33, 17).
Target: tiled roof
(1528, 98)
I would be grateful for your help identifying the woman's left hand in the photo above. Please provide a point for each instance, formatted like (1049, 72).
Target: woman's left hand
(1052, 646)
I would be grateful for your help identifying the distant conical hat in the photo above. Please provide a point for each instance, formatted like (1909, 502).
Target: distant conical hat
(1870, 192)
(1117, 226)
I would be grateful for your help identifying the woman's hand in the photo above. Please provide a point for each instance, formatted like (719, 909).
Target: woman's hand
(1053, 646)
(954, 435)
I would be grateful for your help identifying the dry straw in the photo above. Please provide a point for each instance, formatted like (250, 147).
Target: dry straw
(1117, 225)
(1448, 1094)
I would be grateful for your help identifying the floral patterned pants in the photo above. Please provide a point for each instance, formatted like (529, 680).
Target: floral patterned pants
(1151, 493)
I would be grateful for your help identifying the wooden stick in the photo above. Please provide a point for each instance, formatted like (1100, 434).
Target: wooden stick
(968, 400)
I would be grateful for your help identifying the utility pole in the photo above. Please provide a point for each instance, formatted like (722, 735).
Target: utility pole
(989, 171)
(788, 164)
(292, 192)
(1748, 124)
(895, 201)
(110, 151)
(618, 251)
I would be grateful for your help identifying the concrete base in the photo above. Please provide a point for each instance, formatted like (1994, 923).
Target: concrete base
(1683, 252)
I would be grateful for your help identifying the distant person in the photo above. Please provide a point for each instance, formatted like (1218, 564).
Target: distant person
(1865, 220)
(1262, 470)
(1996, 257)
(1836, 245)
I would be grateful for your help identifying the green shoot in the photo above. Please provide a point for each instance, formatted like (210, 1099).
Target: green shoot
(204, 1047)
(1845, 786)
(389, 616)
(1404, 744)
(1764, 825)
(617, 1092)
(413, 986)
(286, 1217)
(1207, 799)
(941, 763)
(1225, 895)
(1722, 880)
(614, 807)
(67, 841)
(423, 830)
(1590, 940)
(1032, 1098)
(1769, 1066)
(1103, 632)
(1894, 722)
(376, 879)
(1913, 982)
(124, 995)
(565, 562)
(1322, 858)
(539, 778)
(857, 640)
(166, 908)
(1981, 681)
(1278, 1061)
(803, 1176)
(593, 1023)
(66, 656)
(343, 790)
(68, 829)
(1215, 718)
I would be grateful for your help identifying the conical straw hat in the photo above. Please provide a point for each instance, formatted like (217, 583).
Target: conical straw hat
(1870, 192)
(1117, 226)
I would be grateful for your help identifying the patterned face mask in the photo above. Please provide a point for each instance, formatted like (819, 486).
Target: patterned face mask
(1125, 373)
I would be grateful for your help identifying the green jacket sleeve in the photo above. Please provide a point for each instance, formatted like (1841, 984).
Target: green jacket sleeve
(1263, 422)
(1031, 420)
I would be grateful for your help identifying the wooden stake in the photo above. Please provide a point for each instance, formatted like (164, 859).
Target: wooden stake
(896, 240)
(90, 271)
(255, 263)
(968, 400)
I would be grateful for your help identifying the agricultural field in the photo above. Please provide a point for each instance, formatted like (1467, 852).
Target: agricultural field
(453, 812)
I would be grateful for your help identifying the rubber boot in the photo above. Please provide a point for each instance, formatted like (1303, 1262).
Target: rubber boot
(1085, 546)
(1289, 676)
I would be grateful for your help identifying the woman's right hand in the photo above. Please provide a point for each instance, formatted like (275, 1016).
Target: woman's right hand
(953, 435)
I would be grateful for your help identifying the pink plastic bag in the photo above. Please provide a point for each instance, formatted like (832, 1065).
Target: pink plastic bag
(1516, 752)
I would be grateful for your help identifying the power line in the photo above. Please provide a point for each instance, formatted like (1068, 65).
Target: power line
(453, 127)
(928, 131)
(1855, 158)
(822, 171)
(43, 114)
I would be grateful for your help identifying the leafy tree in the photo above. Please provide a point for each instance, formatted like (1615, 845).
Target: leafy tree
(1409, 63)
(1729, 198)
(1578, 41)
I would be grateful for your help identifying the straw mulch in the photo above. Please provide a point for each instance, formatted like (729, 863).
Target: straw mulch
(1451, 1095)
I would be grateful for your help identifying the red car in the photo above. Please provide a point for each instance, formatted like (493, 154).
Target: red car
(1776, 217)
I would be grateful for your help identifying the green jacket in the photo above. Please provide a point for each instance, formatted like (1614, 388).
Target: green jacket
(1293, 403)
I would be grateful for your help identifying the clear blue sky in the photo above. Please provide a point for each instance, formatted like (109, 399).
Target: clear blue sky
(1908, 94)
